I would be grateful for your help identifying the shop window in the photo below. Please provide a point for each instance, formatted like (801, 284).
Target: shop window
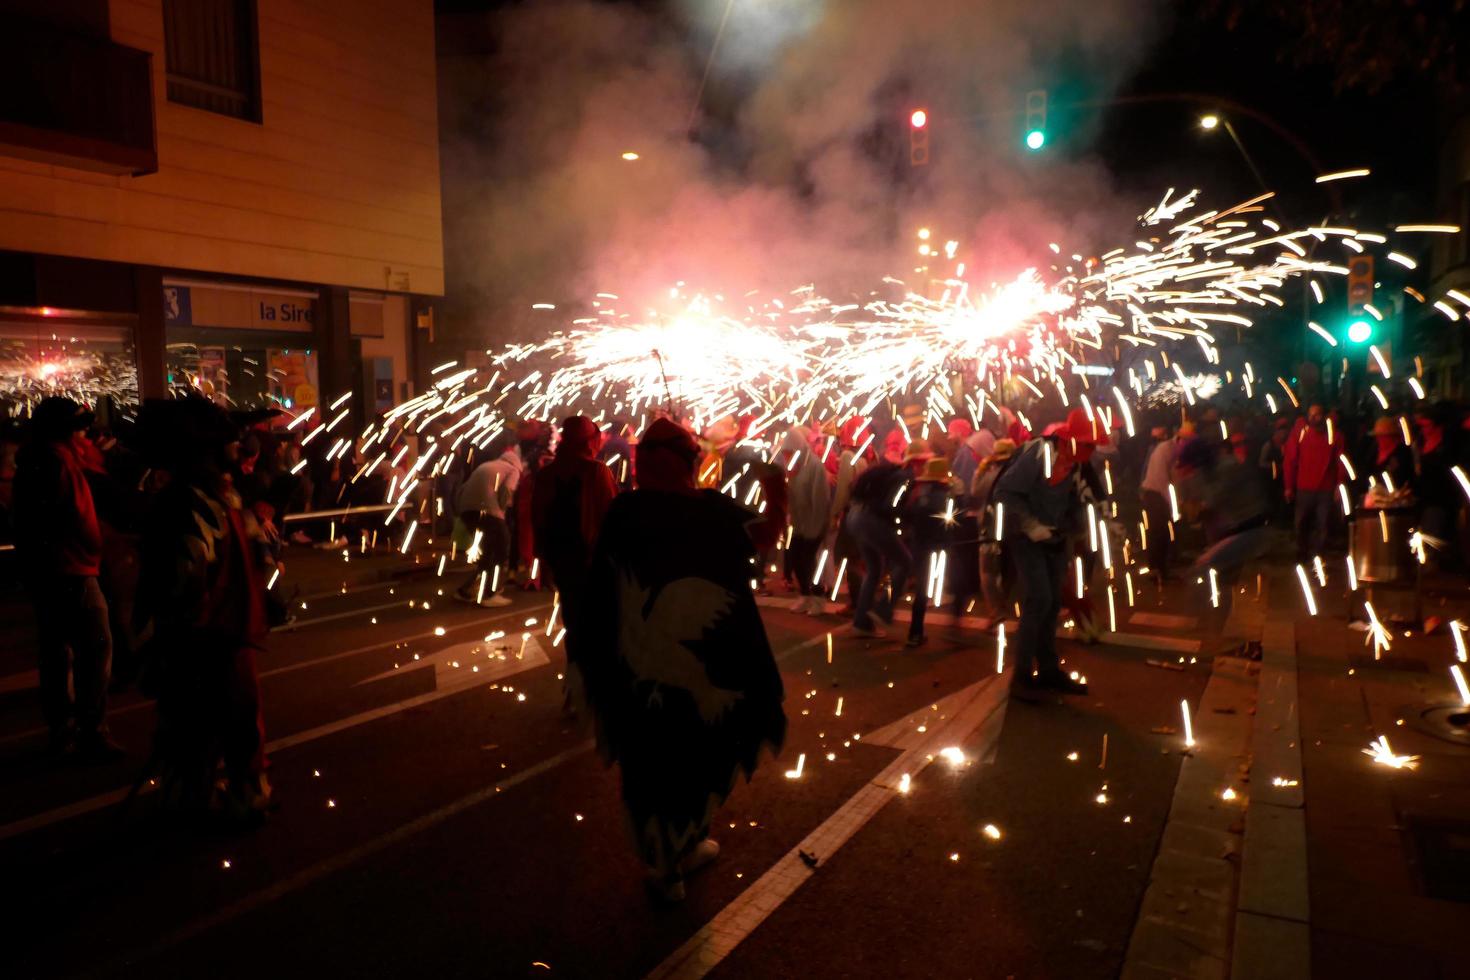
(250, 374)
(213, 56)
(91, 363)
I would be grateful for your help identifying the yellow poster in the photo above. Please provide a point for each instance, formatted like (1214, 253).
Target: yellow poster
(293, 378)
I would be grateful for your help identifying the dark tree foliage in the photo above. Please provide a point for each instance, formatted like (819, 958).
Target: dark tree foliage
(1367, 45)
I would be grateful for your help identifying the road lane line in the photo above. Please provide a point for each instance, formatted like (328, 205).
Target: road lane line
(304, 664)
(536, 658)
(732, 924)
(342, 655)
(322, 869)
(46, 818)
(26, 680)
(297, 624)
(446, 685)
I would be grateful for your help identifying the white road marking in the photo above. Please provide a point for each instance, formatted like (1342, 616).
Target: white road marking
(23, 681)
(465, 664)
(1164, 621)
(332, 865)
(454, 681)
(315, 661)
(983, 709)
(295, 625)
(473, 623)
(535, 657)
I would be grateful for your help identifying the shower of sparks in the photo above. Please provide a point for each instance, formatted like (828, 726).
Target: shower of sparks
(1459, 678)
(1378, 750)
(780, 359)
(1378, 634)
(1301, 574)
(1135, 326)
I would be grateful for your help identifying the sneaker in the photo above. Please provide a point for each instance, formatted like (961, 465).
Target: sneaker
(493, 601)
(916, 641)
(801, 605)
(1065, 685)
(300, 537)
(699, 856)
(247, 801)
(817, 607)
(873, 632)
(96, 748)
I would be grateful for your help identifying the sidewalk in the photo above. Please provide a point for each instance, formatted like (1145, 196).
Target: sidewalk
(1388, 849)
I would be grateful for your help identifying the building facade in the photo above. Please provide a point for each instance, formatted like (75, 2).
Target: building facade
(238, 196)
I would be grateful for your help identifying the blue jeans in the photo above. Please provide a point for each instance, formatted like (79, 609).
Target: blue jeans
(71, 618)
(882, 551)
(1227, 557)
(1040, 568)
(1312, 510)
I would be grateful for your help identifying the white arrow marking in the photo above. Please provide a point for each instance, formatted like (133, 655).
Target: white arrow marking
(462, 665)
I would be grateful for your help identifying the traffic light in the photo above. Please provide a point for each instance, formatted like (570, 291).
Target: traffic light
(918, 138)
(1360, 295)
(1036, 119)
(1360, 283)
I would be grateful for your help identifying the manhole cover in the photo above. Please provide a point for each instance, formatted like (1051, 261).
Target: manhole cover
(1443, 850)
(1448, 722)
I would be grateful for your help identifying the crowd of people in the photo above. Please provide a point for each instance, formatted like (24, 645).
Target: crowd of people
(159, 552)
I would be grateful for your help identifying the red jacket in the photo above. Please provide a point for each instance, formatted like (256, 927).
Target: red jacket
(56, 520)
(1311, 463)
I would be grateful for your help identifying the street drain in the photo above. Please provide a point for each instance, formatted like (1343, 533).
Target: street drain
(1447, 722)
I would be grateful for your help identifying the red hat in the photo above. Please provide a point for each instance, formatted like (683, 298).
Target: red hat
(1084, 430)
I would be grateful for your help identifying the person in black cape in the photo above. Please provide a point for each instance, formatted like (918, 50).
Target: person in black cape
(674, 662)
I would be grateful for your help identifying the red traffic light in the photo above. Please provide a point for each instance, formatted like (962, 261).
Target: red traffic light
(919, 119)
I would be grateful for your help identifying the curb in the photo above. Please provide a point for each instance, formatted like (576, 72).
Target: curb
(1273, 935)
(1186, 919)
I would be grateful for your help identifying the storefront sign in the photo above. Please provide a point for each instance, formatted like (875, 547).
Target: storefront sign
(238, 307)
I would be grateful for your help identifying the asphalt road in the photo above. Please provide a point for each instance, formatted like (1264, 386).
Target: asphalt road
(442, 816)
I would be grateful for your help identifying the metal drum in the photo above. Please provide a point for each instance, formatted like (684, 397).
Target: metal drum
(1380, 546)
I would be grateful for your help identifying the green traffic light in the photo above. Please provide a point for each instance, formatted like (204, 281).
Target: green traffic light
(1359, 331)
(1035, 139)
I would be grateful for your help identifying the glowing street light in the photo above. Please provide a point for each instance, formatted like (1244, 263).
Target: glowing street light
(630, 156)
(1209, 121)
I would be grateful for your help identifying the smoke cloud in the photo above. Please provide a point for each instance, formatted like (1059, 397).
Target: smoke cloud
(797, 166)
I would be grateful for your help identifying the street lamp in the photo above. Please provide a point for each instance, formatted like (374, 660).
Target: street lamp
(1211, 122)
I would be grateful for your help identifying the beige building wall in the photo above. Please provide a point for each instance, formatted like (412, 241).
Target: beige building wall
(338, 185)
